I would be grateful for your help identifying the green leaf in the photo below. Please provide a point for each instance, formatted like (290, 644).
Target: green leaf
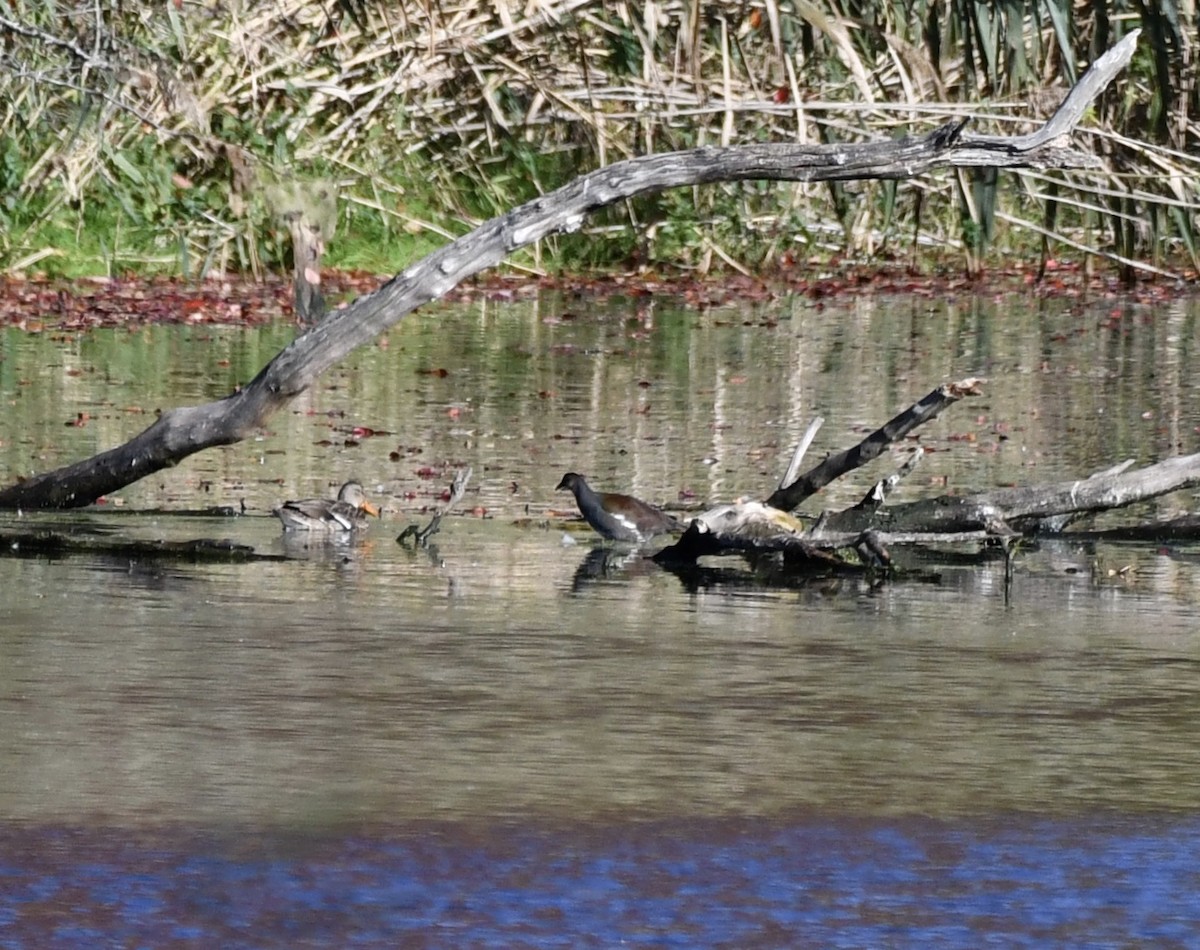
(127, 168)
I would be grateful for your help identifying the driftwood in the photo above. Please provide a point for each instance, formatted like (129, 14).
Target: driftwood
(420, 536)
(869, 527)
(181, 432)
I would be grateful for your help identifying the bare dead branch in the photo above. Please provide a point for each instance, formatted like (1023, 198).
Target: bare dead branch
(868, 449)
(421, 536)
(885, 486)
(181, 432)
(1000, 516)
(793, 468)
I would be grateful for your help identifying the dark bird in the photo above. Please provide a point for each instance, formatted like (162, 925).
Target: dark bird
(348, 513)
(618, 517)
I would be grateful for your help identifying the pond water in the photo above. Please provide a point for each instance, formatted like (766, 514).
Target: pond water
(519, 737)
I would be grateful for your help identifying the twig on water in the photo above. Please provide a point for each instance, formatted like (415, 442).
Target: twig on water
(421, 536)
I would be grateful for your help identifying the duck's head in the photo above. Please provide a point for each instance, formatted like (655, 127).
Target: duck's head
(352, 494)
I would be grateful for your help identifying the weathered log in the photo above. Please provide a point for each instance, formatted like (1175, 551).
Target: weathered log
(181, 432)
(1182, 528)
(1014, 510)
(999, 515)
(58, 544)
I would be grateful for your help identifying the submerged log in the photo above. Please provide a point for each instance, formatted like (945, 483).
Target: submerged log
(181, 432)
(58, 544)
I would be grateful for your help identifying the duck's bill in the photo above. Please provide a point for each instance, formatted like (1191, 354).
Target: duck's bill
(370, 509)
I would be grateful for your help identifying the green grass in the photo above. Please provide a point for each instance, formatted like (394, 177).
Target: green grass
(365, 245)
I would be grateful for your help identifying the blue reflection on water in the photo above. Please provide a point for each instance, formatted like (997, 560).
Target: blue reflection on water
(745, 883)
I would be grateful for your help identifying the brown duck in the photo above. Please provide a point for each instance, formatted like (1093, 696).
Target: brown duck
(348, 513)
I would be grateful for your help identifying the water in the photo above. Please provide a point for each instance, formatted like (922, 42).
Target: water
(807, 881)
(520, 739)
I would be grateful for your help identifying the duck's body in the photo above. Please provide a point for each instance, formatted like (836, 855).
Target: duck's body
(348, 513)
(618, 517)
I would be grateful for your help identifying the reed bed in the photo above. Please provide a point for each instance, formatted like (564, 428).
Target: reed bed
(149, 137)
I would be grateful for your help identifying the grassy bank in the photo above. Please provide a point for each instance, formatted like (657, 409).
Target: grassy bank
(157, 138)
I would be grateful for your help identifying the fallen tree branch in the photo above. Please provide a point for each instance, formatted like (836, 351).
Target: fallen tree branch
(834, 467)
(793, 468)
(1007, 511)
(184, 431)
(1183, 528)
(1102, 492)
(1001, 515)
(43, 543)
(885, 486)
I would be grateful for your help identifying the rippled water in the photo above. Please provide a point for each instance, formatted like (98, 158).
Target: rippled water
(522, 739)
(807, 881)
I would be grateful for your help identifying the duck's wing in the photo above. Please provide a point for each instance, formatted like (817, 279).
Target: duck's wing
(315, 514)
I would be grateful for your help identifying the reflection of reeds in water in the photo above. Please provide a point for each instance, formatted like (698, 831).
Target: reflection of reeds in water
(698, 409)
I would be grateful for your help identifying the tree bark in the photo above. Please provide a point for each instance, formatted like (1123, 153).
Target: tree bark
(181, 432)
(998, 515)
(995, 516)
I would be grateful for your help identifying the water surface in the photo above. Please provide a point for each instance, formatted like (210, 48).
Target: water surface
(522, 739)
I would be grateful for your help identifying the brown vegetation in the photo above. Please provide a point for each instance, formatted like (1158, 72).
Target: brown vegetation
(146, 136)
